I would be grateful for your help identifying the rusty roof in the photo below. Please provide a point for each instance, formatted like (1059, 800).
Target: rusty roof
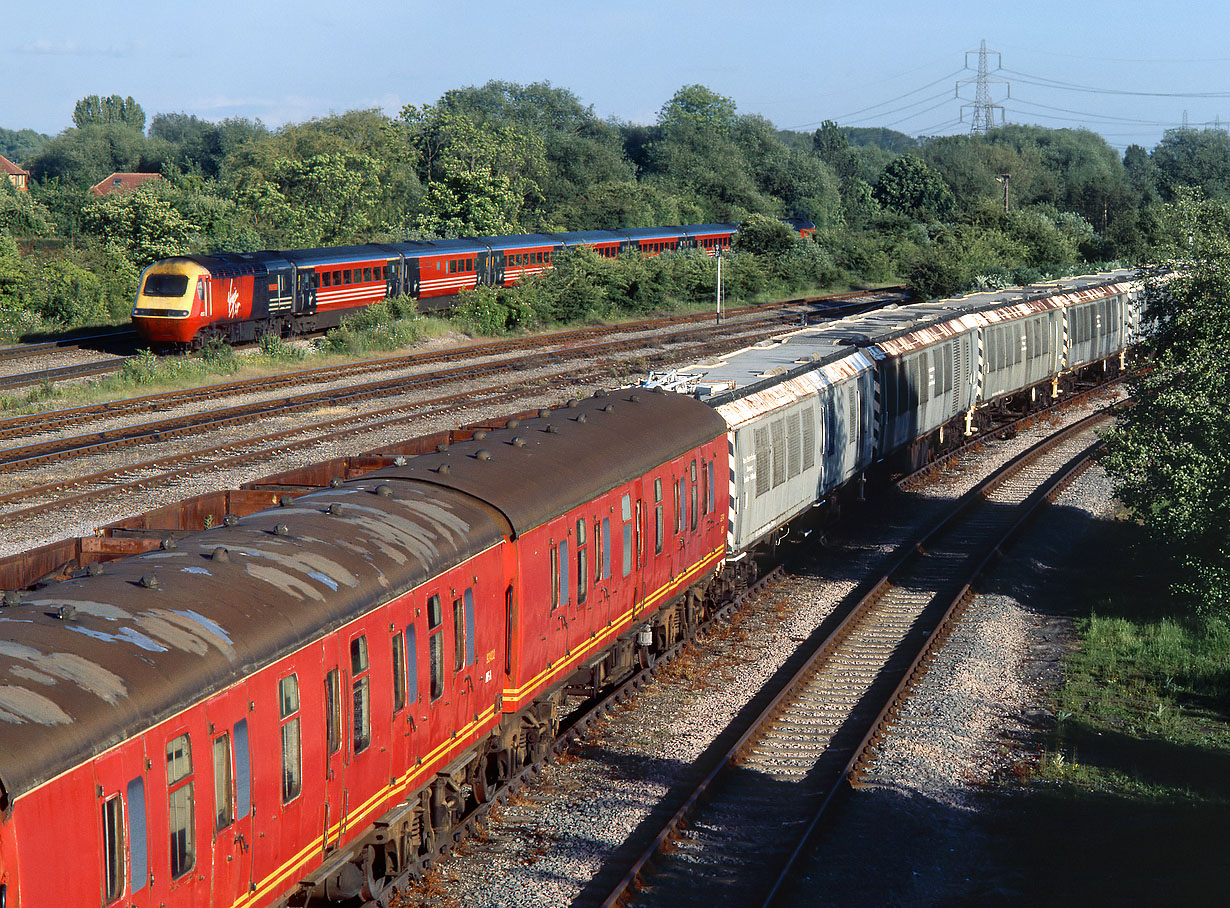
(538, 468)
(89, 662)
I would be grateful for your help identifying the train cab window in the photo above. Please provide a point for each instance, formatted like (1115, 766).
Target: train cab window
(180, 824)
(224, 789)
(138, 849)
(625, 512)
(399, 673)
(412, 666)
(582, 563)
(435, 643)
(113, 848)
(333, 710)
(657, 511)
(292, 759)
(361, 686)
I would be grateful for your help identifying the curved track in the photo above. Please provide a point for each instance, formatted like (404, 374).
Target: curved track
(742, 828)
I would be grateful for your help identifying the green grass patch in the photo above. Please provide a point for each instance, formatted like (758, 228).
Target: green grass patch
(1130, 803)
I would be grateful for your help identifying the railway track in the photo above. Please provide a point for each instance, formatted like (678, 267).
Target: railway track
(55, 449)
(740, 830)
(833, 306)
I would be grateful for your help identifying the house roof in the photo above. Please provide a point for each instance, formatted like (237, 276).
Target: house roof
(122, 182)
(9, 167)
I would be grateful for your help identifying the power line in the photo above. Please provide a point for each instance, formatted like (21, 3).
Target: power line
(943, 94)
(1044, 82)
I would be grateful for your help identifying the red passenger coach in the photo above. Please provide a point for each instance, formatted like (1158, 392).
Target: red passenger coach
(304, 701)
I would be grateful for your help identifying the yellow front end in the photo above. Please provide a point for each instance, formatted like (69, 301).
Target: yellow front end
(169, 290)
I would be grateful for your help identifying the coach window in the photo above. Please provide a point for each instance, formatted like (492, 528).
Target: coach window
(326, 279)
(435, 644)
(367, 275)
(292, 761)
(606, 548)
(180, 806)
(712, 497)
(625, 510)
(113, 848)
(554, 577)
(412, 666)
(399, 673)
(459, 636)
(361, 686)
(224, 789)
(563, 572)
(333, 711)
(468, 599)
(346, 276)
(657, 509)
(692, 489)
(138, 860)
(582, 564)
(600, 551)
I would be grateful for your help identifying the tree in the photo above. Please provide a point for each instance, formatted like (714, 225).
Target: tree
(142, 223)
(95, 111)
(763, 235)
(695, 107)
(1191, 158)
(1170, 453)
(910, 187)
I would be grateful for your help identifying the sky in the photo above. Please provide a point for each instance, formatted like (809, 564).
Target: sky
(1126, 70)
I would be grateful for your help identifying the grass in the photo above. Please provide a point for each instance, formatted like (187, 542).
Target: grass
(1130, 800)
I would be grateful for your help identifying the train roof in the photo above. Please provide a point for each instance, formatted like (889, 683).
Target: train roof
(786, 356)
(91, 661)
(538, 468)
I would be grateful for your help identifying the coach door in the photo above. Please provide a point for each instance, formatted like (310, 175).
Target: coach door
(335, 805)
(305, 292)
(231, 820)
(120, 811)
(412, 285)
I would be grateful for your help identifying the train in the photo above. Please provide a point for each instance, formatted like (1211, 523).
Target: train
(296, 706)
(186, 301)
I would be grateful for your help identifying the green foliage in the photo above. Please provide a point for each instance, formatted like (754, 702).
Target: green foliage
(762, 235)
(910, 187)
(389, 325)
(142, 224)
(1170, 454)
(1191, 159)
(21, 144)
(95, 110)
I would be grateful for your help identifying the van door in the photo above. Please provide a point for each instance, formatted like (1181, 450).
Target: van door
(335, 753)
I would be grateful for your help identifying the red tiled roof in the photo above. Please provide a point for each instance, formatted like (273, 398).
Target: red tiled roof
(9, 167)
(122, 182)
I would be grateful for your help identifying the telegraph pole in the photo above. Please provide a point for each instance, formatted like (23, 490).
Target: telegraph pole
(984, 106)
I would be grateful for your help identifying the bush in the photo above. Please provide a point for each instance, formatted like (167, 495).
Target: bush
(388, 325)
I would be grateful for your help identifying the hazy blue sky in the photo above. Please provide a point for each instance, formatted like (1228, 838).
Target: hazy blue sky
(891, 63)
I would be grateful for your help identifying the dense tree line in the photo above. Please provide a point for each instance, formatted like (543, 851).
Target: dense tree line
(946, 214)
